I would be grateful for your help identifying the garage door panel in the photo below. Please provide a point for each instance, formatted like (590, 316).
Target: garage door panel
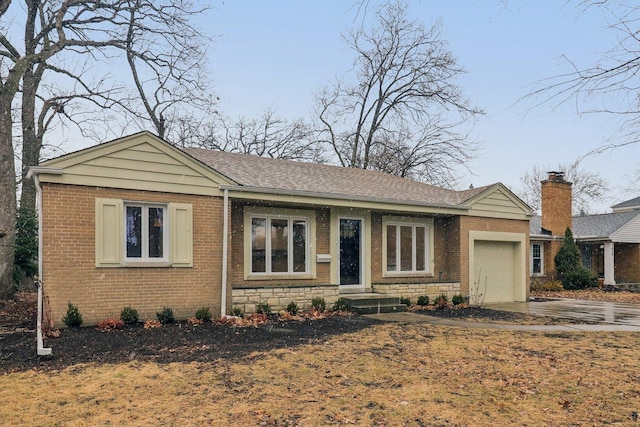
(494, 272)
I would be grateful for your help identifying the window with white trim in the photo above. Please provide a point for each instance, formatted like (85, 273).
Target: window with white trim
(536, 259)
(279, 244)
(145, 232)
(407, 244)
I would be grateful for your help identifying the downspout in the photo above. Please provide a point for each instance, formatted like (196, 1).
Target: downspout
(42, 351)
(225, 238)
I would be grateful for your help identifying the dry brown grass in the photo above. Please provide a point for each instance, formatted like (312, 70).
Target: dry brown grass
(385, 375)
(593, 294)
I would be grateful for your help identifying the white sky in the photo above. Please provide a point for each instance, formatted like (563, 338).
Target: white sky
(276, 54)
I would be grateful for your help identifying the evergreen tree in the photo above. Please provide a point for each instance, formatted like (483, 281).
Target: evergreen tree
(567, 259)
(26, 253)
(568, 266)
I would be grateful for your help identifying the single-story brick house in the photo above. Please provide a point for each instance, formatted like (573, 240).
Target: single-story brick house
(138, 222)
(609, 243)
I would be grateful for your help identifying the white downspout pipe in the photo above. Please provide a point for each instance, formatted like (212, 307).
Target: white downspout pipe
(225, 238)
(42, 351)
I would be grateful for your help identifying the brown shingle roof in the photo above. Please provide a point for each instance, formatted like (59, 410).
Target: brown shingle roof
(290, 176)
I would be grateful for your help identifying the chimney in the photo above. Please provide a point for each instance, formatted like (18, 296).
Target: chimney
(556, 203)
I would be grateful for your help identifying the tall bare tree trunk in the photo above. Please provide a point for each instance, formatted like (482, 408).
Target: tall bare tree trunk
(31, 141)
(7, 199)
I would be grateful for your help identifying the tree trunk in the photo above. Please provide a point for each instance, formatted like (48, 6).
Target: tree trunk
(7, 200)
(31, 142)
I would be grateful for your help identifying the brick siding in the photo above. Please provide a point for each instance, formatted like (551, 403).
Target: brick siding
(70, 275)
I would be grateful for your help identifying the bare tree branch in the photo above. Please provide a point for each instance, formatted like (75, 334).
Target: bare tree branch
(400, 100)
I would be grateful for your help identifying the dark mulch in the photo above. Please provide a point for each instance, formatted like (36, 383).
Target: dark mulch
(180, 342)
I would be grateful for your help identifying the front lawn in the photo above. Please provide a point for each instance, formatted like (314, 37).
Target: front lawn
(335, 371)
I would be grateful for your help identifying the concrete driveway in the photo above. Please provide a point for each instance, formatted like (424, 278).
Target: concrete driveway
(611, 313)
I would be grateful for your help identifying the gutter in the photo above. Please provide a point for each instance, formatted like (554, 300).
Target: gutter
(33, 173)
(334, 196)
(225, 238)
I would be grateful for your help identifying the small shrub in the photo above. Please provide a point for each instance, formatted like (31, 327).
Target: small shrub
(129, 315)
(318, 304)
(165, 316)
(579, 279)
(405, 300)
(423, 300)
(292, 308)
(548, 286)
(73, 318)
(441, 301)
(203, 314)
(342, 304)
(110, 325)
(457, 299)
(263, 308)
(236, 311)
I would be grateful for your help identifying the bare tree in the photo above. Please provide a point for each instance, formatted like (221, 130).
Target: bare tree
(64, 38)
(400, 101)
(264, 136)
(588, 187)
(610, 85)
(167, 67)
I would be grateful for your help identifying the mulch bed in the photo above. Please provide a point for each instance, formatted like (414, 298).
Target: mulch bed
(179, 342)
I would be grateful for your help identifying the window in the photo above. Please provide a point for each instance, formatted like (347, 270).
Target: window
(407, 245)
(145, 234)
(536, 259)
(278, 244)
(138, 234)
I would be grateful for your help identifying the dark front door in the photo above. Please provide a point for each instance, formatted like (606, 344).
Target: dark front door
(350, 251)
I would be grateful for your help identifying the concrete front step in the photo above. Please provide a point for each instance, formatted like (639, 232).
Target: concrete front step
(370, 303)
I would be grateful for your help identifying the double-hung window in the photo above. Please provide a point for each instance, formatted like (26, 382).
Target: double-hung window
(145, 232)
(278, 242)
(407, 245)
(536, 259)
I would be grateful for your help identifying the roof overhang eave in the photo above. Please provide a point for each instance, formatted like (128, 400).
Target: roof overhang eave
(591, 238)
(541, 237)
(38, 170)
(334, 196)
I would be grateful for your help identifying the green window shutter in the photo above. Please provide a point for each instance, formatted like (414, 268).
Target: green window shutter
(181, 236)
(108, 232)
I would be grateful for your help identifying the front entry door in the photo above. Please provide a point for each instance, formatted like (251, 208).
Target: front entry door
(351, 253)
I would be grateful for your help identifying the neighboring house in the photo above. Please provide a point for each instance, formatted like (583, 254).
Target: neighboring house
(609, 243)
(137, 222)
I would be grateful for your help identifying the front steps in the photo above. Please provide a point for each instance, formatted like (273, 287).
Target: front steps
(370, 303)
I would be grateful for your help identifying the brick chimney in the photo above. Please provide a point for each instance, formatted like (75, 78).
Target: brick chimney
(556, 203)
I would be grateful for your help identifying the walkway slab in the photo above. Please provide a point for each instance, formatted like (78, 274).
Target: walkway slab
(613, 313)
(409, 317)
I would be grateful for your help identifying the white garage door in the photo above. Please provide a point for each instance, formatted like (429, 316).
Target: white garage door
(494, 272)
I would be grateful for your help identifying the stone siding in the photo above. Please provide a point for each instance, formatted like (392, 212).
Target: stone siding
(278, 297)
(415, 290)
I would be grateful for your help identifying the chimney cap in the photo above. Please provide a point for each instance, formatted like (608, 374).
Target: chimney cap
(557, 176)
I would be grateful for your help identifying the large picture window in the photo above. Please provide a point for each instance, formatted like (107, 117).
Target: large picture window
(279, 244)
(145, 232)
(407, 246)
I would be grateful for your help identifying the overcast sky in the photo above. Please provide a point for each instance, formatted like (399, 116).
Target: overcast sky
(277, 54)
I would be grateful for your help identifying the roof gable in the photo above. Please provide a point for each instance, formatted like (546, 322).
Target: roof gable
(498, 201)
(141, 161)
(604, 226)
